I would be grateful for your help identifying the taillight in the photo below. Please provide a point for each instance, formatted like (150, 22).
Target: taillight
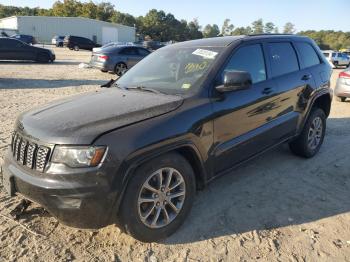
(103, 57)
(344, 75)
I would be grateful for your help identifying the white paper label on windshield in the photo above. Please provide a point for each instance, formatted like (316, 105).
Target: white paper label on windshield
(205, 53)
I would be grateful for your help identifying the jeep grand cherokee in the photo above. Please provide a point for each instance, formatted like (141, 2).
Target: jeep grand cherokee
(134, 154)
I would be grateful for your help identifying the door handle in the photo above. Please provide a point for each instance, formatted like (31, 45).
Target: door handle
(267, 91)
(306, 77)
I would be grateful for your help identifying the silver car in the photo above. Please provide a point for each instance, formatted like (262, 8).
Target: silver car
(117, 59)
(336, 59)
(342, 89)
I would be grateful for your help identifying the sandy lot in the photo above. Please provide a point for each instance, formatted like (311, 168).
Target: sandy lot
(276, 207)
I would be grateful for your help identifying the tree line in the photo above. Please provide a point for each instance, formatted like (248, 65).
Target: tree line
(161, 26)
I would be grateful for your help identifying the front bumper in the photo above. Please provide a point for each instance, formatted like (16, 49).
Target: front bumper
(80, 203)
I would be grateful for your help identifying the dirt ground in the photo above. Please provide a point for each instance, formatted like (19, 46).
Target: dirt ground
(277, 207)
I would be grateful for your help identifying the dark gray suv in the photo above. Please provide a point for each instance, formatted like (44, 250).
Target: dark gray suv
(134, 154)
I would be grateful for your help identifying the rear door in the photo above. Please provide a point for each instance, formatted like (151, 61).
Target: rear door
(312, 64)
(130, 56)
(294, 83)
(142, 53)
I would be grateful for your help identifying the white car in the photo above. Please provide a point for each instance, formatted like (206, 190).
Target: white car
(337, 59)
(57, 40)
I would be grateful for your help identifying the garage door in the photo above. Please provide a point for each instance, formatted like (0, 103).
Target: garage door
(109, 34)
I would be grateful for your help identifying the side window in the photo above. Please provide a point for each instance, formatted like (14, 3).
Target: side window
(308, 54)
(143, 52)
(283, 58)
(250, 59)
(129, 51)
(334, 54)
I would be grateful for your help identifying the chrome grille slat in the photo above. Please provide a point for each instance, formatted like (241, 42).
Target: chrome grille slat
(22, 150)
(29, 154)
(41, 157)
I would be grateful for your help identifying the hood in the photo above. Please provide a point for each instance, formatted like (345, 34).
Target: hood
(80, 119)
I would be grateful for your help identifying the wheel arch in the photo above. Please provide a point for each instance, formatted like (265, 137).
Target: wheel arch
(189, 151)
(323, 102)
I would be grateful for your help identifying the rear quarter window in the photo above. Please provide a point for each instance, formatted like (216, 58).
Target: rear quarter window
(308, 54)
(283, 58)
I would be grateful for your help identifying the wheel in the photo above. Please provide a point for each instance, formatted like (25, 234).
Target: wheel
(308, 143)
(335, 63)
(158, 198)
(120, 69)
(43, 58)
(76, 48)
(340, 98)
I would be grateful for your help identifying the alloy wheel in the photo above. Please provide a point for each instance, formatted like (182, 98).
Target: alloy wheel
(161, 197)
(120, 69)
(315, 133)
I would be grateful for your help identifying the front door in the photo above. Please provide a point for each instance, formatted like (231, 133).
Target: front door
(241, 125)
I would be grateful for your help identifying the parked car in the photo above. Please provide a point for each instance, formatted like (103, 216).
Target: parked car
(77, 42)
(97, 49)
(13, 49)
(57, 41)
(26, 39)
(117, 59)
(337, 59)
(342, 88)
(187, 113)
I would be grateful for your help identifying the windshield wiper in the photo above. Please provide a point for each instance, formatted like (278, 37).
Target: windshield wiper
(142, 88)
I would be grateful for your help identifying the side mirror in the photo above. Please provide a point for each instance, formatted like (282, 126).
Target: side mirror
(235, 80)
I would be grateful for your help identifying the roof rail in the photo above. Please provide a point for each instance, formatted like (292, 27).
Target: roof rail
(268, 34)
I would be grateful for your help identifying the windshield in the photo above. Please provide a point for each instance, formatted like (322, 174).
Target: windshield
(172, 70)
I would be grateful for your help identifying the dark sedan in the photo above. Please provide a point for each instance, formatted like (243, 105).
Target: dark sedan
(12, 49)
(118, 59)
(26, 39)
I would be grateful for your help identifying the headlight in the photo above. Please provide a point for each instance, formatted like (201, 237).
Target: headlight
(78, 156)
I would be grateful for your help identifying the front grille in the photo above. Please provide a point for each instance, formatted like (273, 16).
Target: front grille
(28, 153)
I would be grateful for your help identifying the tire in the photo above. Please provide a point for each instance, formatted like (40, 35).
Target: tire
(340, 98)
(76, 48)
(43, 58)
(335, 63)
(131, 211)
(120, 68)
(301, 145)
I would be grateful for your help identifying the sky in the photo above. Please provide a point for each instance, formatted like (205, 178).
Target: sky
(304, 14)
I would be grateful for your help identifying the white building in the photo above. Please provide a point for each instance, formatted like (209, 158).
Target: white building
(43, 28)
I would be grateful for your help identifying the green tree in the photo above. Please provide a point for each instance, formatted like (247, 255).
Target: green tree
(242, 31)
(194, 30)
(211, 31)
(124, 19)
(258, 26)
(289, 28)
(227, 28)
(269, 27)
